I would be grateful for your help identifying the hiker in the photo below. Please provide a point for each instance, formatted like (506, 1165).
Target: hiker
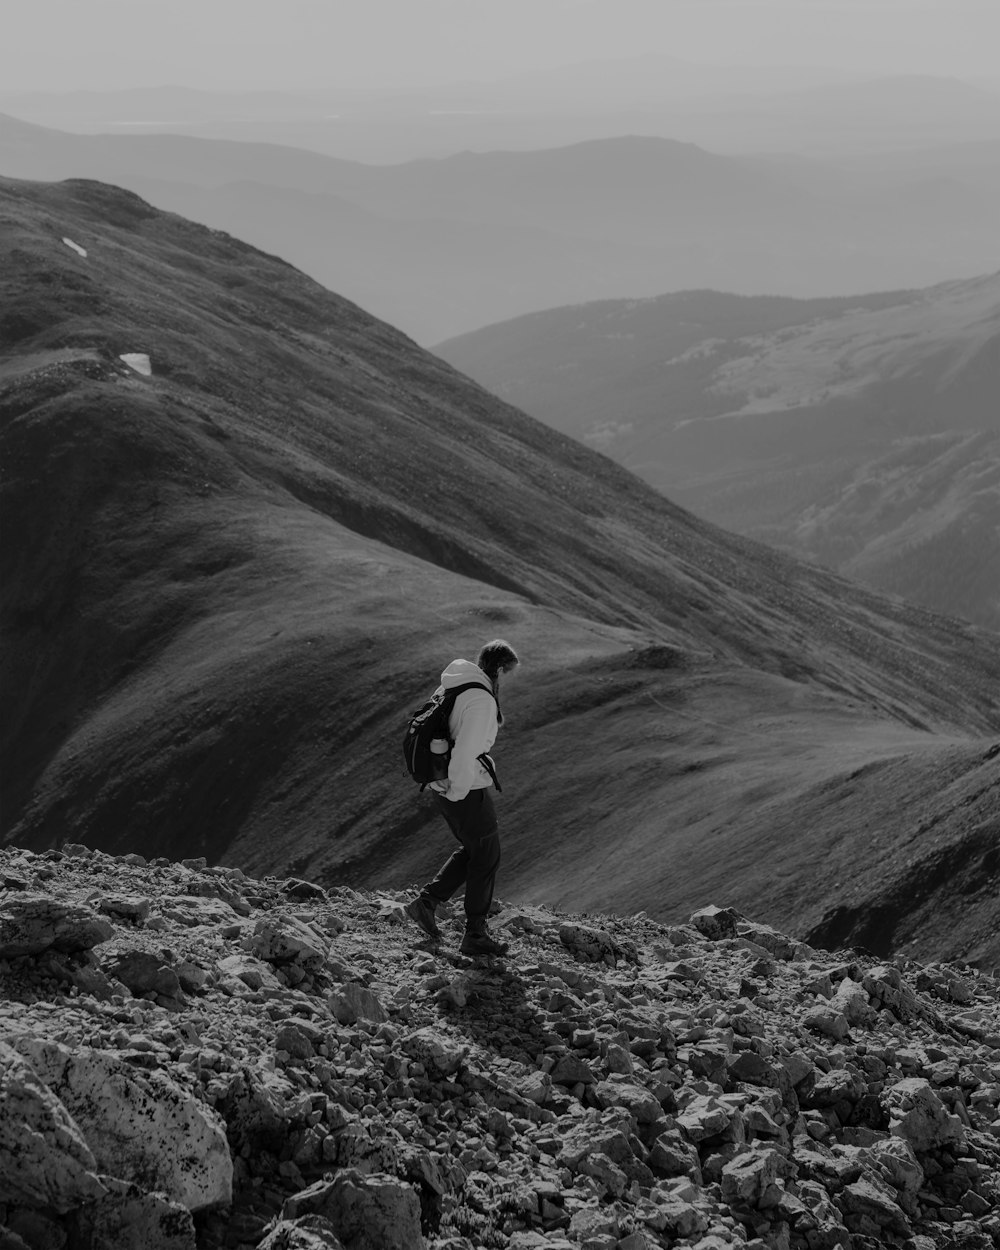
(466, 802)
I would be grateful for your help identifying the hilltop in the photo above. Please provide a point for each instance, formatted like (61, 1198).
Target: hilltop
(213, 1061)
(862, 433)
(237, 572)
(440, 247)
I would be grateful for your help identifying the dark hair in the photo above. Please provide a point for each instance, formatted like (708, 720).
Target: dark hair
(497, 657)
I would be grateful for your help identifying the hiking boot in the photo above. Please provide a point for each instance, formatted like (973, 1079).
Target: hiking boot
(482, 944)
(421, 912)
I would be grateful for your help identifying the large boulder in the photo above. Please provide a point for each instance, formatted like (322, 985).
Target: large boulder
(716, 923)
(285, 940)
(594, 945)
(918, 1115)
(437, 1052)
(353, 1002)
(44, 1160)
(852, 1000)
(140, 1126)
(636, 1099)
(870, 1208)
(376, 1212)
(132, 1220)
(33, 923)
(750, 1179)
(144, 973)
(308, 1232)
(706, 1118)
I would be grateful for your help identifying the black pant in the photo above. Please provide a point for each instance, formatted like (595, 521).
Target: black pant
(473, 821)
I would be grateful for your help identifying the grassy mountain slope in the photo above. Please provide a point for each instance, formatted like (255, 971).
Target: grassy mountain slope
(863, 433)
(441, 246)
(232, 578)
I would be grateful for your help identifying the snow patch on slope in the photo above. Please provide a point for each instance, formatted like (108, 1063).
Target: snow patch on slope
(138, 361)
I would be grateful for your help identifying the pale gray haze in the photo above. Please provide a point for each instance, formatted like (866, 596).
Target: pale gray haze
(296, 44)
(452, 163)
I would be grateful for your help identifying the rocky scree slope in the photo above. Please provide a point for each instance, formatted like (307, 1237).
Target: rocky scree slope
(234, 576)
(191, 1058)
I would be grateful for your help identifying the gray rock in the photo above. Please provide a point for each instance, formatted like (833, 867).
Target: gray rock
(747, 1179)
(716, 923)
(308, 1232)
(887, 990)
(636, 1099)
(285, 940)
(851, 999)
(672, 1155)
(367, 1150)
(31, 1230)
(192, 976)
(896, 1163)
(618, 1059)
(44, 1159)
(437, 1053)
(778, 944)
(144, 973)
(294, 1041)
(376, 1212)
(751, 1068)
(128, 906)
(570, 1069)
(255, 1111)
(918, 1115)
(707, 1117)
(140, 1126)
(32, 923)
(594, 945)
(827, 1021)
(254, 973)
(295, 887)
(593, 1221)
(870, 1207)
(133, 1220)
(534, 1087)
(609, 1175)
(353, 1002)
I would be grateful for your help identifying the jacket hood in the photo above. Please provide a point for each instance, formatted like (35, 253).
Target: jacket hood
(460, 671)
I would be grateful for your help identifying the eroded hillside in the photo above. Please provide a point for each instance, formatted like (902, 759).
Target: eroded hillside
(235, 574)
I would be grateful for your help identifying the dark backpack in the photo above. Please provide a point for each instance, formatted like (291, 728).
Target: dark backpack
(427, 742)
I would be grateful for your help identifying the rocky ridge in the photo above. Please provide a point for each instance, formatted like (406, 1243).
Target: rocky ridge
(193, 1058)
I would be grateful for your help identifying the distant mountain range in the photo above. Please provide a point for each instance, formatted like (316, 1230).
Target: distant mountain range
(226, 583)
(863, 433)
(439, 247)
(808, 110)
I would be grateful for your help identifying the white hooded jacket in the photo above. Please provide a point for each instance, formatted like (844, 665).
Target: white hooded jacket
(473, 729)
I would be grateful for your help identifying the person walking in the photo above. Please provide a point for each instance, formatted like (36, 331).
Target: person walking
(466, 802)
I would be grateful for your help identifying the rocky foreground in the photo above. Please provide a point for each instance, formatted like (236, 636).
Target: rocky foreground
(191, 1058)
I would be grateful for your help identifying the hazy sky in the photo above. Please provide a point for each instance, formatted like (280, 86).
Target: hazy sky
(66, 44)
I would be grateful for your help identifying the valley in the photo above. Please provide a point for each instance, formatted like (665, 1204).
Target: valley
(235, 576)
(861, 433)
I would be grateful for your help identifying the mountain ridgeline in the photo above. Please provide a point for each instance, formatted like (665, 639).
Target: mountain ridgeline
(439, 247)
(863, 433)
(230, 579)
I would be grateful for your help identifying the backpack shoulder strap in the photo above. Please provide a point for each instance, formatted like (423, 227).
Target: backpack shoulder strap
(451, 695)
(449, 699)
